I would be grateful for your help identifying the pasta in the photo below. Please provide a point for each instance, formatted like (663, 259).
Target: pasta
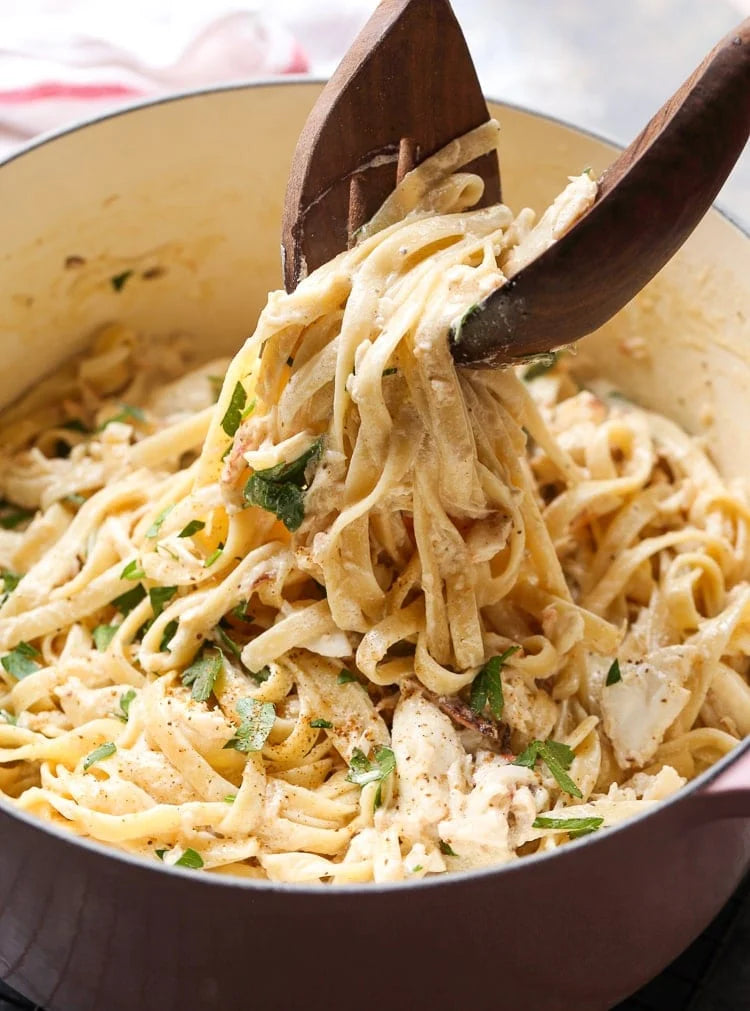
(365, 617)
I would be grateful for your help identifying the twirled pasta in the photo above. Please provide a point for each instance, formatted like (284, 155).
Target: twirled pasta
(358, 620)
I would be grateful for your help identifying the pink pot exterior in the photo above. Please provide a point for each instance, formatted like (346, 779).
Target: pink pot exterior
(577, 931)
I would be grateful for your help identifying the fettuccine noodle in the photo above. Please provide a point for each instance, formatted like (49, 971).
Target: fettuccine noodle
(368, 617)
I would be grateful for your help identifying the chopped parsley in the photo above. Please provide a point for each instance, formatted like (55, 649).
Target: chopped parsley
(129, 600)
(557, 757)
(153, 530)
(345, 677)
(225, 641)
(280, 489)
(202, 674)
(257, 720)
(261, 675)
(231, 420)
(613, 674)
(133, 570)
(159, 596)
(362, 771)
(190, 859)
(12, 516)
(487, 686)
(105, 750)
(8, 717)
(124, 707)
(240, 611)
(540, 365)
(103, 636)
(160, 854)
(127, 413)
(10, 582)
(321, 724)
(574, 826)
(230, 798)
(192, 528)
(170, 630)
(214, 556)
(118, 281)
(390, 372)
(447, 849)
(22, 661)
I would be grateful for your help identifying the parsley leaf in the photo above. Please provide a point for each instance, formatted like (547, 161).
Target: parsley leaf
(13, 516)
(133, 570)
(613, 674)
(261, 675)
(105, 750)
(487, 686)
(362, 771)
(345, 677)
(202, 674)
(170, 631)
(160, 853)
(321, 724)
(159, 596)
(541, 365)
(257, 720)
(127, 413)
(124, 708)
(10, 582)
(225, 641)
(280, 489)
(153, 530)
(190, 859)
(103, 636)
(119, 280)
(192, 528)
(230, 798)
(557, 757)
(390, 372)
(214, 556)
(447, 849)
(129, 600)
(231, 420)
(575, 826)
(21, 661)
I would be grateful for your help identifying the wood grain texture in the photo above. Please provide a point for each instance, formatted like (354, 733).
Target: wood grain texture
(408, 74)
(650, 200)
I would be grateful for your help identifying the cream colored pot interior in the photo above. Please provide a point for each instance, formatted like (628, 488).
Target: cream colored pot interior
(194, 187)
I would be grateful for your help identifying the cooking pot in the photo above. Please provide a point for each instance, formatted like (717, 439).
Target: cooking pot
(193, 186)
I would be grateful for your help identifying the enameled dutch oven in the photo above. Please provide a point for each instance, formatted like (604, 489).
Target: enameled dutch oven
(194, 185)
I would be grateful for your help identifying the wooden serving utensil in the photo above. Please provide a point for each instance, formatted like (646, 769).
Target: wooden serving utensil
(408, 86)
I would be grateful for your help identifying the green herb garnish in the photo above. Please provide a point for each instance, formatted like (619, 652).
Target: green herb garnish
(214, 556)
(160, 854)
(192, 528)
(22, 661)
(261, 675)
(390, 372)
(124, 708)
(129, 600)
(487, 686)
(119, 280)
(8, 717)
(103, 636)
(540, 365)
(230, 798)
(321, 724)
(190, 859)
(231, 420)
(362, 771)
(127, 413)
(10, 582)
(133, 570)
(153, 530)
(228, 643)
(447, 849)
(170, 630)
(98, 754)
(613, 674)
(202, 674)
(574, 826)
(159, 596)
(12, 516)
(345, 677)
(557, 757)
(280, 489)
(257, 720)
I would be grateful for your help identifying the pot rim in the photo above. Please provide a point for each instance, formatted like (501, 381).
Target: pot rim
(450, 878)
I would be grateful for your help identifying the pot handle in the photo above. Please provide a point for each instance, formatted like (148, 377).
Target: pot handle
(728, 796)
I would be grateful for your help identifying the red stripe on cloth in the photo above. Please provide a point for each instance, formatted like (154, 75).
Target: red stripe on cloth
(59, 90)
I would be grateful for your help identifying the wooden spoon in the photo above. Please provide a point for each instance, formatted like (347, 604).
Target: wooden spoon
(649, 201)
(407, 87)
